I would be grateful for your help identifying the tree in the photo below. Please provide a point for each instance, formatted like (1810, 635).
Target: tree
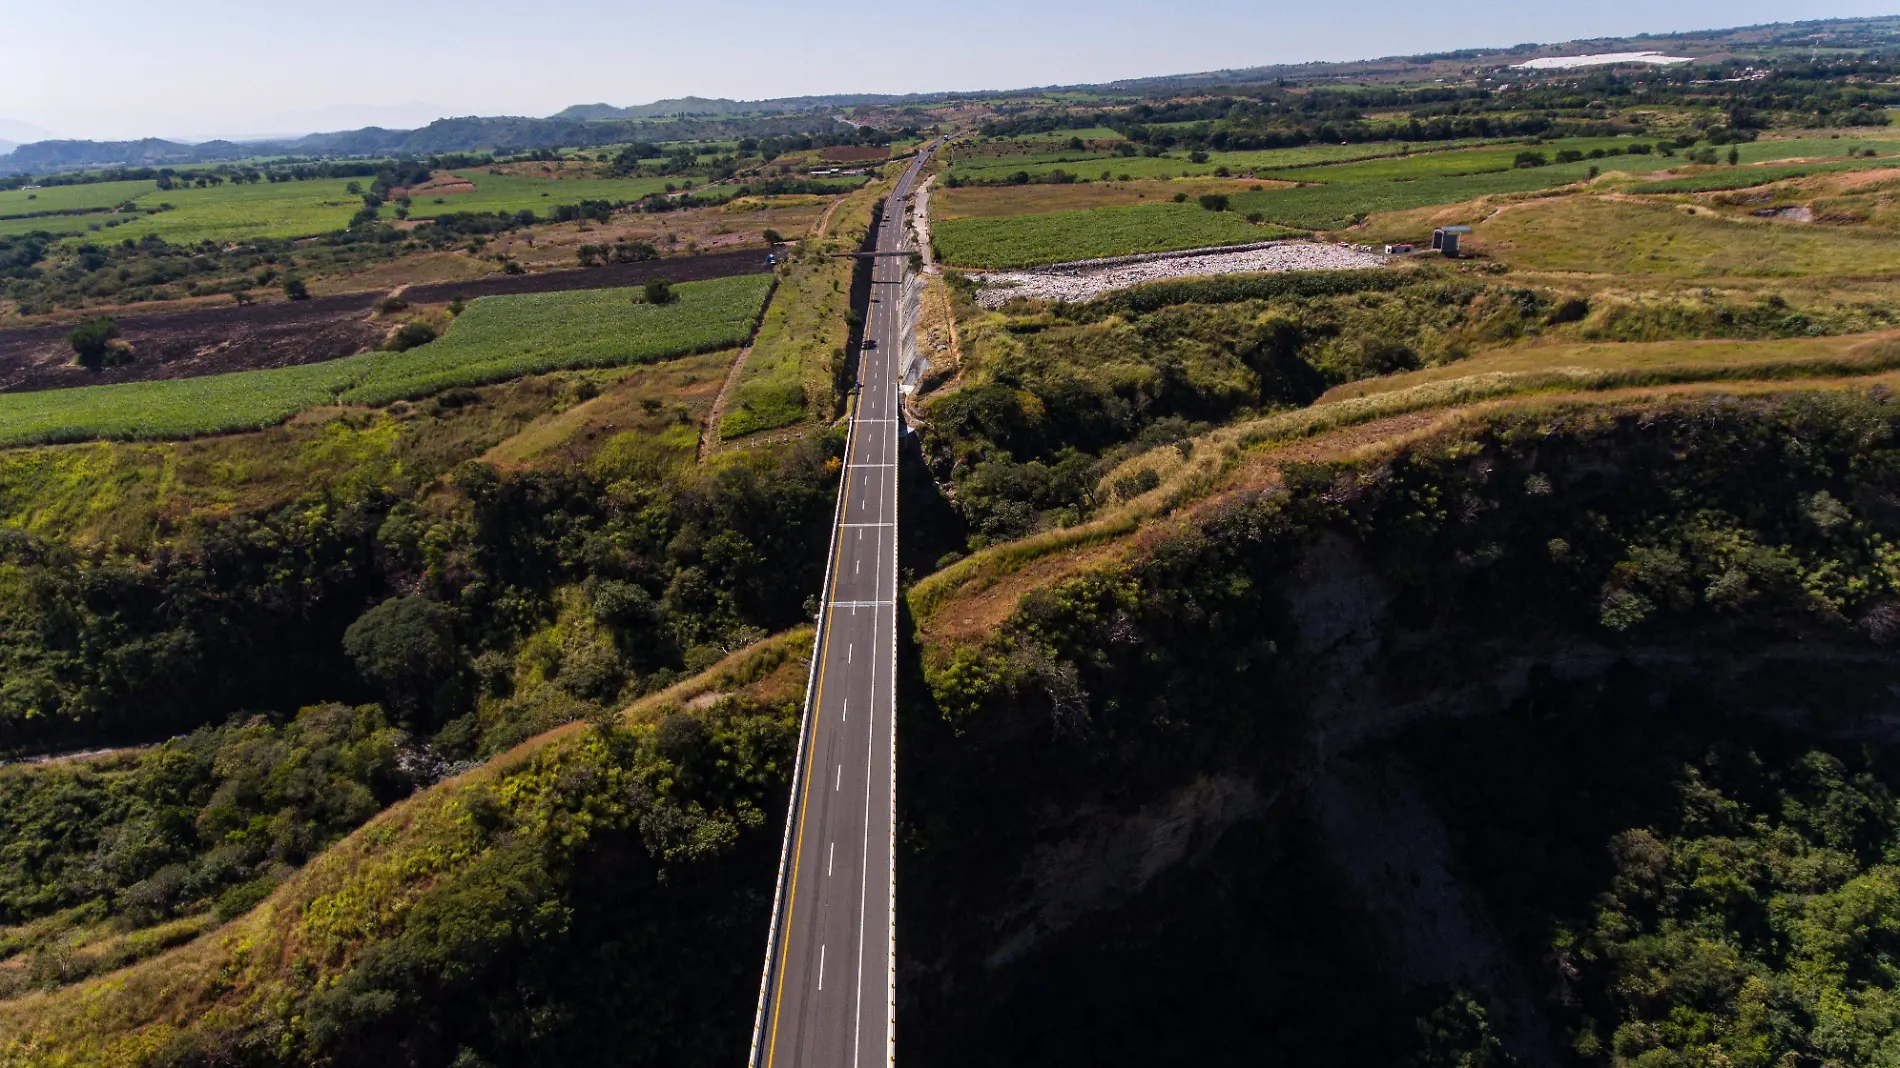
(92, 341)
(658, 291)
(1214, 201)
(406, 645)
(295, 289)
(773, 237)
(1734, 155)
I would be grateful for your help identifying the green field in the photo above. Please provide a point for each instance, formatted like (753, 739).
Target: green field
(96, 196)
(1091, 165)
(57, 224)
(1057, 237)
(499, 338)
(507, 192)
(176, 407)
(1467, 161)
(233, 212)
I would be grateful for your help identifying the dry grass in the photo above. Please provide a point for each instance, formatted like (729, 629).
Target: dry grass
(1770, 358)
(1627, 237)
(646, 401)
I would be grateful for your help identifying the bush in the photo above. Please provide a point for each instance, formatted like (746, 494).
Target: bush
(409, 336)
(658, 291)
(92, 341)
(1530, 159)
(1214, 201)
(295, 289)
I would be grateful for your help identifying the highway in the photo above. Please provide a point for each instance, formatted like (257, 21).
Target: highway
(826, 999)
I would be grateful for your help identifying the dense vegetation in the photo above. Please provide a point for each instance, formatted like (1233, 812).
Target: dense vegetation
(1684, 887)
(212, 820)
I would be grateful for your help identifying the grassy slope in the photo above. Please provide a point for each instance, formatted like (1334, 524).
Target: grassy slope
(787, 378)
(1602, 236)
(353, 897)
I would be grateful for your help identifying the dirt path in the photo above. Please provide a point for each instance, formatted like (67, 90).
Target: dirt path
(709, 439)
(824, 223)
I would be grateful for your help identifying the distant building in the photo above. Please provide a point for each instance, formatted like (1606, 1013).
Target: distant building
(1445, 239)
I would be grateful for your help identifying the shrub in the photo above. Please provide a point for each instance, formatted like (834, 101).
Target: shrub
(657, 291)
(409, 336)
(92, 341)
(295, 289)
(1214, 201)
(1530, 159)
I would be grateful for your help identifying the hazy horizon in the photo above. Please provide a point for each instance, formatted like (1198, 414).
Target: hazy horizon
(479, 57)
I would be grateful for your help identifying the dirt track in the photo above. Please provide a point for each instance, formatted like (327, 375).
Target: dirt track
(284, 334)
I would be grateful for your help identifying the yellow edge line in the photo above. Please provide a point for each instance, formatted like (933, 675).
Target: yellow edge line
(804, 792)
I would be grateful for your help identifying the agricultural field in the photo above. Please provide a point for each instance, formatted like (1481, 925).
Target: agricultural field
(176, 407)
(512, 193)
(1057, 237)
(234, 212)
(996, 201)
(497, 338)
(96, 196)
(1434, 164)
(1177, 164)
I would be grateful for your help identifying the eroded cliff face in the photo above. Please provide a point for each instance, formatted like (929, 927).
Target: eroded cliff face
(1284, 866)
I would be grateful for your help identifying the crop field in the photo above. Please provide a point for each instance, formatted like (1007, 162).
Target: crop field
(1091, 165)
(237, 212)
(499, 338)
(508, 192)
(994, 201)
(1057, 237)
(94, 197)
(56, 224)
(1468, 161)
(176, 407)
(1744, 177)
(1595, 235)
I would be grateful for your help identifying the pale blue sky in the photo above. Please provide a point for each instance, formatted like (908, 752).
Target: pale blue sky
(201, 68)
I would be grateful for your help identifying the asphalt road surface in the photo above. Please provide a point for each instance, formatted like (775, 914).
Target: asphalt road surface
(828, 988)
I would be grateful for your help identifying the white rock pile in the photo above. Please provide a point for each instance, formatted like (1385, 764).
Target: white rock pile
(1085, 281)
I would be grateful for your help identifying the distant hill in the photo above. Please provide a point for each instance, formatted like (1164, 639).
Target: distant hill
(7, 146)
(692, 106)
(467, 134)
